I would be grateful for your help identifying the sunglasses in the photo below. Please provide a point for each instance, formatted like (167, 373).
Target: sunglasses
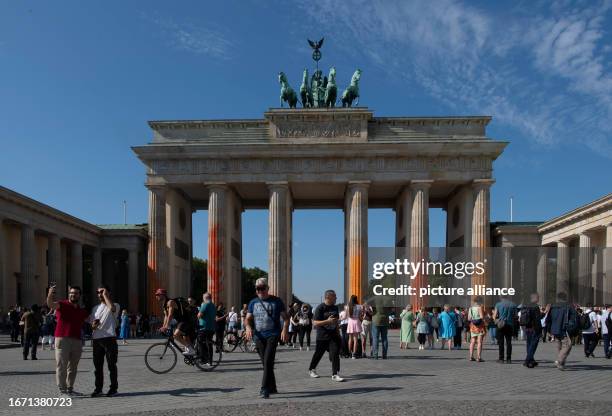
(99, 292)
(261, 288)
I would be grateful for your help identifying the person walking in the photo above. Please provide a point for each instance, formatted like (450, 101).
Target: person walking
(354, 326)
(68, 348)
(531, 323)
(207, 325)
(48, 329)
(590, 330)
(366, 329)
(434, 328)
(447, 326)
(325, 320)
(505, 314)
(562, 325)
(293, 325)
(232, 321)
(605, 323)
(124, 331)
(14, 319)
(476, 323)
(407, 327)
(103, 319)
(459, 324)
(380, 327)
(32, 321)
(263, 323)
(305, 325)
(423, 325)
(221, 320)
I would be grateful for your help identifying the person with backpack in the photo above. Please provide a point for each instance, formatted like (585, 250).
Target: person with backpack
(606, 330)
(458, 328)
(305, 325)
(531, 323)
(505, 314)
(562, 324)
(434, 328)
(178, 310)
(423, 323)
(589, 327)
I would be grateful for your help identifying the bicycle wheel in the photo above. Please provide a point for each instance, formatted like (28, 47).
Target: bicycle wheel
(230, 342)
(160, 358)
(249, 346)
(203, 362)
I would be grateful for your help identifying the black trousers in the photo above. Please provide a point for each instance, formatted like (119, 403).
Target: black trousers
(205, 345)
(305, 330)
(14, 331)
(105, 348)
(266, 348)
(590, 342)
(457, 337)
(505, 335)
(333, 346)
(30, 342)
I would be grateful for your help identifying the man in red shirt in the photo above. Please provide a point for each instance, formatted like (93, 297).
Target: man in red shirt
(70, 318)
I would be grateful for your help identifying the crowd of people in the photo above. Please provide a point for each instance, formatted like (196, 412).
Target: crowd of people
(341, 330)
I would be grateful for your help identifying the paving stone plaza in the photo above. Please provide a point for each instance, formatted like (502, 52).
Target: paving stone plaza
(408, 382)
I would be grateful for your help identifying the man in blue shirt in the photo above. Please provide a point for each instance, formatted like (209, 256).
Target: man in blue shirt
(263, 324)
(206, 321)
(505, 314)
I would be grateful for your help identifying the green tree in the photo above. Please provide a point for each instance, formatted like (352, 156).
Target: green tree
(199, 277)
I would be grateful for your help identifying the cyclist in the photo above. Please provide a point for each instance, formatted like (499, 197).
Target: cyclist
(179, 310)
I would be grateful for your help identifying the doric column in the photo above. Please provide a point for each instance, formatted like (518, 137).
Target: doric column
(419, 234)
(279, 225)
(607, 267)
(585, 275)
(217, 235)
(97, 270)
(542, 275)
(4, 287)
(480, 229)
(76, 264)
(55, 264)
(133, 302)
(356, 234)
(157, 259)
(28, 266)
(563, 264)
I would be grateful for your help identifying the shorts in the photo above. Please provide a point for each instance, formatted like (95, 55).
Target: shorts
(186, 328)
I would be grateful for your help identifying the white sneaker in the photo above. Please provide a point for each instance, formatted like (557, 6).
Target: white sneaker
(313, 374)
(189, 351)
(336, 377)
(301, 348)
(307, 348)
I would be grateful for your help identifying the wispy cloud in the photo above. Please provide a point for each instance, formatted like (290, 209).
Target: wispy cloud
(191, 38)
(545, 73)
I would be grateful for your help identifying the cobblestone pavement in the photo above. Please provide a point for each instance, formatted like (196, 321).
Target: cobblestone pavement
(412, 381)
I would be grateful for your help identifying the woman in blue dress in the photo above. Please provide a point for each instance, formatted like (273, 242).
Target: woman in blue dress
(447, 326)
(124, 333)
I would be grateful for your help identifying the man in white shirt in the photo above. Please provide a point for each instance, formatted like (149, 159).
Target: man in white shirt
(590, 335)
(103, 321)
(605, 331)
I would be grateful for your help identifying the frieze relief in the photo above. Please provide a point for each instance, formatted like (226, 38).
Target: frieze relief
(292, 130)
(319, 165)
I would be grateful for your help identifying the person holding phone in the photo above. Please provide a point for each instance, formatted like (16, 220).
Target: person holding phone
(325, 320)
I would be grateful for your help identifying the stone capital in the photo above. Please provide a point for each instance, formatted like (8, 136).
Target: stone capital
(421, 184)
(359, 184)
(159, 190)
(479, 184)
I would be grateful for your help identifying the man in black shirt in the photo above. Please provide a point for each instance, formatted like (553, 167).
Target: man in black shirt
(530, 320)
(325, 320)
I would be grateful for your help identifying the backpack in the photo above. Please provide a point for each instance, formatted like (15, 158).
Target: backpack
(434, 322)
(183, 310)
(585, 321)
(525, 318)
(608, 322)
(571, 326)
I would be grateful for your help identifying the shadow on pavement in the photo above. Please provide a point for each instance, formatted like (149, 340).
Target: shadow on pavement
(188, 392)
(374, 376)
(336, 392)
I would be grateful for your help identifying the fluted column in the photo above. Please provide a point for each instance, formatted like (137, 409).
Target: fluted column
(76, 264)
(419, 234)
(356, 211)
(4, 287)
(133, 280)
(28, 266)
(217, 241)
(585, 275)
(157, 259)
(279, 239)
(97, 270)
(563, 264)
(481, 230)
(542, 275)
(607, 266)
(55, 264)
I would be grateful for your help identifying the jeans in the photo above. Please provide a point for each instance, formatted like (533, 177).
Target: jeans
(333, 346)
(607, 340)
(31, 342)
(505, 335)
(305, 330)
(344, 342)
(266, 348)
(382, 331)
(590, 342)
(493, 333)
(105, 348)
(533, 338)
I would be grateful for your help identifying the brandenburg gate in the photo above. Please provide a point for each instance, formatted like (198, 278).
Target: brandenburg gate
(310, 158)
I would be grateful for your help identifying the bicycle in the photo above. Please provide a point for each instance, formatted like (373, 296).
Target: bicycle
(161, 357)
(232, 340)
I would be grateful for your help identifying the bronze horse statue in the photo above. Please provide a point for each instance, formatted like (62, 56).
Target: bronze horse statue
(351, 93)
(331, 90)
(286, 93)
(305, 91)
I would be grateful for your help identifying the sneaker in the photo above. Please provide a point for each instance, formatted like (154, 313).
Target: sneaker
(63, 391)
(353, 357)
(111, 393)
(264, 394)
(336, 377)
(189, 351)
(96, 393)
(307, 348)
(313, 374)
(301, 348)
(71, 392)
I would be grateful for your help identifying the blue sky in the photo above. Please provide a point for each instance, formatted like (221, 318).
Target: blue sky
(79, 80)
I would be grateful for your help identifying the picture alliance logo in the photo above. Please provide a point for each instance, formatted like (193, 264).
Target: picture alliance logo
(404, 267)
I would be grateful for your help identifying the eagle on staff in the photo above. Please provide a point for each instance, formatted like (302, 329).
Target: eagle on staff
(316, 53)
